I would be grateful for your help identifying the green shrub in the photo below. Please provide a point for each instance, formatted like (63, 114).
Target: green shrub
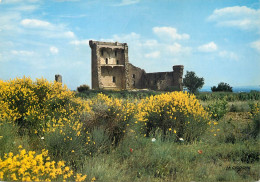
(222, 87)
(83, 88)
(112, 115)
(218, 109)
(8, 135)
(254, 108)
(65, 143)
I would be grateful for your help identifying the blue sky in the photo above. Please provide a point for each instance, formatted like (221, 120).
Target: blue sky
(218, 39)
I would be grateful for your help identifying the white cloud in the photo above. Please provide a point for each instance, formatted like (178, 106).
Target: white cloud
(25, 8)
(209, 47)
(175, 48)
(54, 50)
(127, 2)
(237, 16)
(34, 23)
(155, 54)
(167, 33)
(228, 55)
(126, 37)
(22, 53)
(256, 45)
(69, 34)
(20, 1)
(47, 29)
(151, 44)
(80, 42)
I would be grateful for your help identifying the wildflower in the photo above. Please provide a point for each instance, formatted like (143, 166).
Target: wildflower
(42, 138)
(153, 139)
(170, 129)
(200, 151)
(131, 150)
(174, 131)
(72, 151)
(181, 139)
(215, 134)
(20, 146)
(93, 179)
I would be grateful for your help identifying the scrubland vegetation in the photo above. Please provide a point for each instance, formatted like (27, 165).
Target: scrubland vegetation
(49, 133)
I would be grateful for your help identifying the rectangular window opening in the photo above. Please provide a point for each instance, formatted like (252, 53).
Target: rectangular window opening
(114, 79)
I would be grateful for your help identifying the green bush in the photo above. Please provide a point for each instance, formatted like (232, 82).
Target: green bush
(222, 87)
(83, 88)
(65, 143)
(218, 109)
(110, 114)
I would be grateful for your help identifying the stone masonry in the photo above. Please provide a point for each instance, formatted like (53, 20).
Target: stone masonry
(112, 70)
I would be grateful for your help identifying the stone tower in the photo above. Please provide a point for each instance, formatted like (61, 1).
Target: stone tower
(109, 62)
(58, 78)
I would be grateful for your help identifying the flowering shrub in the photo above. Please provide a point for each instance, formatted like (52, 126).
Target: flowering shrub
(27, 166)
(36, 105)
(112, 114)
(254, 109)
(178, 112)
(218, 109)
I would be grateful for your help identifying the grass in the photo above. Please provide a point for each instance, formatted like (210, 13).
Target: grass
(166, 161)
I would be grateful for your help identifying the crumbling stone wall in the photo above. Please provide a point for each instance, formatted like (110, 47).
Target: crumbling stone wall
(111, 70)
(136, 77)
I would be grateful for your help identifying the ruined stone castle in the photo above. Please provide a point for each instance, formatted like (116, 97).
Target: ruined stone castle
(112, 70)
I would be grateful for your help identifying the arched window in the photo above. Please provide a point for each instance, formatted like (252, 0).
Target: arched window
(115, 53)
(133, 75)
(106, 60)
(117, 61)
(102, 52)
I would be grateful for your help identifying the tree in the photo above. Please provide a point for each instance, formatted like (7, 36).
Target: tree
(193, 82)
(222, 87)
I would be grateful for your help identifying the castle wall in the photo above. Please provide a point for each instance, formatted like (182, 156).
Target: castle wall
(158, 81)
(112, 77)
(111, 70)
(136, 76)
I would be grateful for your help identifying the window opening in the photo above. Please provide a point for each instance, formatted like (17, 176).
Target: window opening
(106, 61)
(114, 79)
(115, 53)
(102, 52)
(117, 61)
(133, 75)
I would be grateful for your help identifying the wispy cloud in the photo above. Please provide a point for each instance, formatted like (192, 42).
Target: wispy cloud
(47, 29)
(153, 55)
(80, 42)
(209, 47)
(228, 55)
(127, 2)
(54, 50)
(169, 33)
(256, 45)
(34, 23)
(19, 1)
(22, 53)
(237, 16)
